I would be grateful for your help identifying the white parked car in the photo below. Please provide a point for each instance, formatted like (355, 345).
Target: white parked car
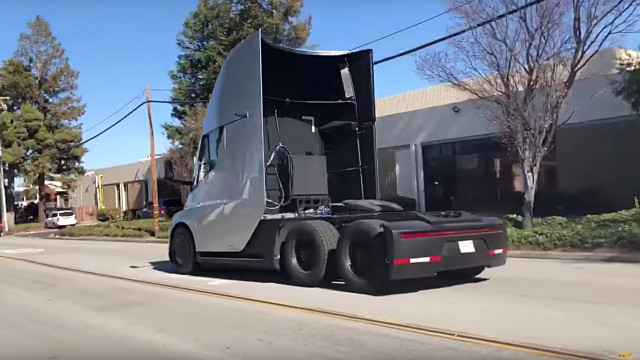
(58, 219)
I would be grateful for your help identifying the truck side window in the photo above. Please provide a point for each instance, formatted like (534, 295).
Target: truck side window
(216, 137)
(203, 160)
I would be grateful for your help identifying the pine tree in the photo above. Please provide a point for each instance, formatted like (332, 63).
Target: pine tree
(16, 83)
(51, 109)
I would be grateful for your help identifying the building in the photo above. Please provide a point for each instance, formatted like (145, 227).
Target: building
(436, 151)
(125, 187)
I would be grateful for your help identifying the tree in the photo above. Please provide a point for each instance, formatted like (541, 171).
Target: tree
(210, 33)
(50, 108)
(628, 86)
(16, 83)
(523, 66)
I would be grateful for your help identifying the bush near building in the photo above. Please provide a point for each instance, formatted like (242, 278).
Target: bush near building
(618, 230)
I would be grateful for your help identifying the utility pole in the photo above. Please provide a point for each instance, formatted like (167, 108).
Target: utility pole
(154, 174)
(3, 198)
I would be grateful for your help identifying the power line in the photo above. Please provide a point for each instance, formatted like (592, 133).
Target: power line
(110, 116)
(412, 26)
(458, 33)
(132, 111)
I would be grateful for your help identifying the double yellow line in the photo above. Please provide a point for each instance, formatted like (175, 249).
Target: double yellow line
(534, 349)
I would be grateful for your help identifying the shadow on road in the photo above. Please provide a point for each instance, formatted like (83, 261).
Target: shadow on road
(395, 288)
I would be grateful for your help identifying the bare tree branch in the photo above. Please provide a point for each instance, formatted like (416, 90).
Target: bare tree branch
(524, 66)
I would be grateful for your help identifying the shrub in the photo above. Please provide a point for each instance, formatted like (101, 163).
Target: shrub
(129, 215)
(613, 230)
(111, 214)
(102, 215)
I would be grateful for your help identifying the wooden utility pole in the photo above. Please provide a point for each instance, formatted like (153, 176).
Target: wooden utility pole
(154, 174)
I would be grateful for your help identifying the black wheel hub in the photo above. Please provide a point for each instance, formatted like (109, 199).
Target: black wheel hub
(179, 250)
(304, 251)
(360, 259)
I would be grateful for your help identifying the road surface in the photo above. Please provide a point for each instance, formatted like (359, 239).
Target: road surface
(591, 307)
(55, 314)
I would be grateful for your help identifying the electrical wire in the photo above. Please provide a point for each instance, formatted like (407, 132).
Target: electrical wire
(132, 111)
(460, 32)
(280, 147)
(412, 26)
(110, 116)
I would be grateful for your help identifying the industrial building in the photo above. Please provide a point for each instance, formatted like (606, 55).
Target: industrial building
(125, 187)
(437, 151)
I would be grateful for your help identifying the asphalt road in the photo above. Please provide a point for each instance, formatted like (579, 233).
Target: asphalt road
(591, 307)
(54, 314)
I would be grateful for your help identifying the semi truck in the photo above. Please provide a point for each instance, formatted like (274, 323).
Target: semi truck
(285, 178)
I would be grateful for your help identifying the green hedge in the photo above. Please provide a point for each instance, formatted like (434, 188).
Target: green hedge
(619, 230)
(134, 228)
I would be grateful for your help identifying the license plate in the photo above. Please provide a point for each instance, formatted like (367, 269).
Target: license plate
(466, 246)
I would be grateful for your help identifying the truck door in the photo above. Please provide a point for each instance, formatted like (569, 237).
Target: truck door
(201, 206)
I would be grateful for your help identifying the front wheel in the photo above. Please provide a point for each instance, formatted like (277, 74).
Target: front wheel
(462, 274)
(182, 252)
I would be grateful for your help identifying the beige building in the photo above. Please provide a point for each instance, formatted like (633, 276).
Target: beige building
(126, 187)
(437, 151)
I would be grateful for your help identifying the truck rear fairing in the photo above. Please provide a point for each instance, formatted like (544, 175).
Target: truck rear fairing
(288, 144)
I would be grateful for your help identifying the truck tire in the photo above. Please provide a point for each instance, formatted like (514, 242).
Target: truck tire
(462, 274)
(182, 252)
(361, 258)
(306, 249)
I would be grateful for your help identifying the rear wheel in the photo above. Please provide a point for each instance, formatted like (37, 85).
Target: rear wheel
(361, 258)
(183, 251)
(462, 274)
(306, 250)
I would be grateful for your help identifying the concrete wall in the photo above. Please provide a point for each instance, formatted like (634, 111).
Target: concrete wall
(602, 156)
(591, 99)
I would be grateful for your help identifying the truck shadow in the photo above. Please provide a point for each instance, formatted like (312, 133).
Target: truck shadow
(274, 277)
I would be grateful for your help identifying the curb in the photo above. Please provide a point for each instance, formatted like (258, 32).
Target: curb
(575, 256)
(97, 238)
(111, 239)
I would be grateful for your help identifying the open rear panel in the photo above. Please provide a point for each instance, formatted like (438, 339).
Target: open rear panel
(319, 118)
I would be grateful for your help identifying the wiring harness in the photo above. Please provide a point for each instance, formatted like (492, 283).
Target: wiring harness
(280, 148)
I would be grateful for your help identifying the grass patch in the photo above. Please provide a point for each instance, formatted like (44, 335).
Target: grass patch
(18, 228)
(619, 230)
(127, 229)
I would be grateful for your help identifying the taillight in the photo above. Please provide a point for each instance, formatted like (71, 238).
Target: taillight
(161, 210)
(498, 251)
(481, 231)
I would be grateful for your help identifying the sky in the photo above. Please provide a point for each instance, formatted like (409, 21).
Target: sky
(121, 46)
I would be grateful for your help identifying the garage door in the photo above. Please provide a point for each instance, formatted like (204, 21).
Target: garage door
(135, 195)
(110, 196)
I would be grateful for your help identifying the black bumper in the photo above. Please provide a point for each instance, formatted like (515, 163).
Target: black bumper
(416, 251)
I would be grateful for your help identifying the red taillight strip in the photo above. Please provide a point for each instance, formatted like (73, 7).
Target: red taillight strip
(416, 260)
(451, 233)
(498, 251)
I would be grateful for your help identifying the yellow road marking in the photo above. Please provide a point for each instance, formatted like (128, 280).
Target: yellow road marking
(493, 342)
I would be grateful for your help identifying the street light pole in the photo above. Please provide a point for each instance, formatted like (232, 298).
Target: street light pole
(3, 198)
